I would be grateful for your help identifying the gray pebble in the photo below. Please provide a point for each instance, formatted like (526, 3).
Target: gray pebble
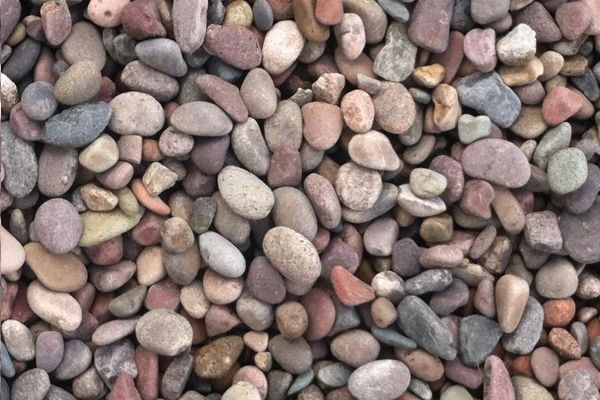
(38, 102)
(432, 280)
(77, 126)
(478, 336)
(20, 164)
(141, 78)
(524, 339)
(31, 385)
(113, 360)
(163, 55)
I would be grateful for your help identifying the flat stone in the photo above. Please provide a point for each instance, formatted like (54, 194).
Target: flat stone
(395, 109)
(99, 227)
(58, 272)
(244, 193)
(77, 126)
(497, 161)
(58, 309)
(189, 24)
(429, 25)
(225, 95)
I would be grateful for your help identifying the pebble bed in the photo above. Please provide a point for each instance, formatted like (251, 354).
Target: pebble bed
(300, 199)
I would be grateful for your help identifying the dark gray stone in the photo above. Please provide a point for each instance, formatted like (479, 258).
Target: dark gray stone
(420, 323)
(22, 60)
(77, 357)
(461, 17)
(588, 85)
(405, 258)
(163, 55)
(487, 94)
(217, 67)
(392, 338)
(77, 126)
(478, 335)
(395, 9)
(263, 15)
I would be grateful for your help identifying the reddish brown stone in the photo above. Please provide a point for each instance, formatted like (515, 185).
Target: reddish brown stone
(225, 95)
(521, 366)
(285, 168)
(329, 12)
(147, 381)
(141, 20)
(164, 294)
(350, 290)
(477, 198)
(559, 312)
(564, 344)
(430, 24)
(24, 127)
(235, 45)
(321, 313)
(560, 104)
(323, 124)
(147, 231)
(124, 389)
(452, 57)
(106, 253)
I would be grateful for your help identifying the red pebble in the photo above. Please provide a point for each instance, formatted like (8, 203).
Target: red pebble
(350, 290)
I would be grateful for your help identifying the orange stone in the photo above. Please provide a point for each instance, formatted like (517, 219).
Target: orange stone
(559, 312)
(521, 366)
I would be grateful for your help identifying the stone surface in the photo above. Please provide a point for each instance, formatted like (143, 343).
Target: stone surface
(164, 332)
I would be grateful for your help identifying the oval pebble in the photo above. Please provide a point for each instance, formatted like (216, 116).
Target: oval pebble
(164, 332)
(58, 309)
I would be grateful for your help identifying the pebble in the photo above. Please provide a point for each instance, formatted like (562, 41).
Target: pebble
(560, 104)
(357, 187)
(19, 163)
(58, 272)
(136, 113)
(18, 340)
(293, 355)
(350, 34)
(578, 235)
(78, 83)
(320, 118)
(480, 48)
(282, 45)
(244, 193)
(58, 226)
(59, 309)
(258, 94)
(99, 227)
(511, 300)
(379, 380)
(545, 364)
(14, 254)
(141, 20)
(567, 170)
(294, 257)
(221, 255)
(38, 101)
(396, 59)
(49, 350)
(557, 279)
(417, 206)
(100, 155)
(164, 332)
(429, 25)
(422, 325)
(77, 126)
(373, 150)
(76, 357)
(395, 108)
(497, 161)
(33, 384)
(189, 24)
(426, 183)
(225, 95)
(525, 337)
(497, 383)
(84, 43)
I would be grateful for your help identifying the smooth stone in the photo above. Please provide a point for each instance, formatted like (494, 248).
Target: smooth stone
(379, 380)
(472, 128)
(19, 163)
(189, 24)
(33, 384)
(497, 161)
(557, 279)
(128, 303)
(58, 225)
(164, 332)
(567, 170)
(429, 25)
(284, 127)
(58, 309)
(58, 272)
(77, 356)
(282, 45)
(527, 388)
(293, 256)
(136, 113)
(426, 183)
(432, 280)
(417, 206)
(511, 295)
(323, 198)
(215, 123)
(13, 252)
(99, 227)
(517, 46)
(221, 255)
(396, 59)
(225, 95)
(303, 219)
(163, 55)
(485, 12)
(18, 340)
(478, 336)
(527, 334)
(11, 12)
(355, 347)
(487, 94)
(357, 187)
(244, 193)
(38, 101)
(244, 54)
(78, 83)
(250, 147)
(138, 77)
(115, 359)
(258, 94)
(49, 350)
(293, 355)
(22, 60)
(421, 324)
(373, 150)
(580, 234)
(554, 139)
(113, 331)
(84, 43)
(77, 126)
(497, 384)
(395, 109)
